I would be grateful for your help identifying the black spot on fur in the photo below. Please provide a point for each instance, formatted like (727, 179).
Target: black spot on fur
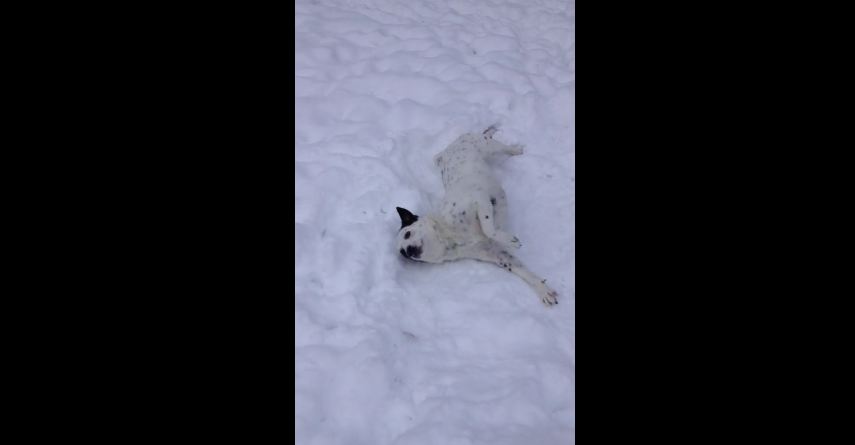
(407, 235)
(414, 251)
(492, 200)
(464, 212)
(403, 253)
(453, 204)
(487, 216)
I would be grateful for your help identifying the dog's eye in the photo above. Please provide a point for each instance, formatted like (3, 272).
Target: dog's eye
(407, 235)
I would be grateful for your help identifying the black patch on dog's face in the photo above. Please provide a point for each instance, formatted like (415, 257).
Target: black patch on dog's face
(414, 251)
(407, 217)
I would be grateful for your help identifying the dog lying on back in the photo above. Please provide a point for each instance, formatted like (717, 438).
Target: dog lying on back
(474, 209)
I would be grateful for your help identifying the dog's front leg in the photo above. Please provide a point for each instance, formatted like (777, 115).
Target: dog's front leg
(494, 254)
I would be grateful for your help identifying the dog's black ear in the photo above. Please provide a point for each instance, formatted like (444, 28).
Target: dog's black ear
(407, 218)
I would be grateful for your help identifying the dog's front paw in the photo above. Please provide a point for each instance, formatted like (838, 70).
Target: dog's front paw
(549, 297)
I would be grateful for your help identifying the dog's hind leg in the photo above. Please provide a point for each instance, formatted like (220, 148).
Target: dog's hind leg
(495, 148)
(496, 255)
(491, 147)
(489, 225)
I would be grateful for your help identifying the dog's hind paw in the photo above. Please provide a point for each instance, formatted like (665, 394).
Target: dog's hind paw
(513, 242)
(490, 131)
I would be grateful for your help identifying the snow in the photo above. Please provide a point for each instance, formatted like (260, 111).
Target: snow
(395, 352)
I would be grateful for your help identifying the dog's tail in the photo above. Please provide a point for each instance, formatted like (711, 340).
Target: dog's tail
(491, 130)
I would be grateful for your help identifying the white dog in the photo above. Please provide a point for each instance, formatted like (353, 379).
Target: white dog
(469, 223)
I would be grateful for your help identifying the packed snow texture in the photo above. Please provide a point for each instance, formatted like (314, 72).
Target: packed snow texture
(390, 351)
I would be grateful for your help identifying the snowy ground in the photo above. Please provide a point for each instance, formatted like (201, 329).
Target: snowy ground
(394, 352)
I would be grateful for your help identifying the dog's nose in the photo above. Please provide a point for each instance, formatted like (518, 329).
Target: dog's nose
(413, 251)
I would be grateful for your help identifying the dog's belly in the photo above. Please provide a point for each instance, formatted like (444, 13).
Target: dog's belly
(459, 208)
(460, 213)
(468, 181)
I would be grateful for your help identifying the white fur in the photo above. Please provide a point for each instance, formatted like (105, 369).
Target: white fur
(470, 221)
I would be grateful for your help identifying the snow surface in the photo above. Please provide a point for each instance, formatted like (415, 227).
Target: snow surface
(395, 352)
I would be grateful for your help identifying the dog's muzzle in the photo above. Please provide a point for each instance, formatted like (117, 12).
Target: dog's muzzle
(412, 252)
